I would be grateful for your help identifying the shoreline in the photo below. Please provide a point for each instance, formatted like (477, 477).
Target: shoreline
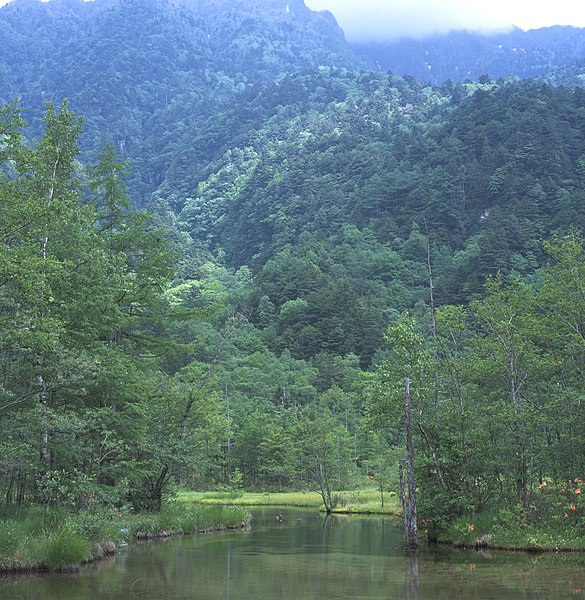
(108, 549)
(105, 549)
(69, 545)
(530, 549)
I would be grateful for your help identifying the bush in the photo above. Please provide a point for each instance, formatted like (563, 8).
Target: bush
(100, 525)
(558, 503)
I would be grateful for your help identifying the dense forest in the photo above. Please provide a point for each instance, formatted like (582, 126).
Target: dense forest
(310, 234)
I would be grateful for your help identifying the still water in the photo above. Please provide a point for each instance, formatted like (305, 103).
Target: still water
(307, 557)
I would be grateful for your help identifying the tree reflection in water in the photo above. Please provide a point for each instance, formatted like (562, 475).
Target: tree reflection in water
(411, 578)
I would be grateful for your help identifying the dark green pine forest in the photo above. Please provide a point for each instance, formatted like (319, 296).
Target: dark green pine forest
(226, 239)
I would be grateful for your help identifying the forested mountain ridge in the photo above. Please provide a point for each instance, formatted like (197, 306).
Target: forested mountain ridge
(487, 169)
(467, 55)
(146, 73)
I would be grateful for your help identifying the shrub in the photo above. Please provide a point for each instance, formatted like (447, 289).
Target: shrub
(99, 525)
(558, 503)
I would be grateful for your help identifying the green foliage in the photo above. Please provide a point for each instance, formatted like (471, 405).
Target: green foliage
(100, 525)
(323, 451)
(557, 505)
(79, 301)
(506, 415)
(65, 549)
(8, 540)
(179, 65)
(514, 527)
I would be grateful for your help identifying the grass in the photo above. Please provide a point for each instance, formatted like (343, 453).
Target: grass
(491, 531)
(308, 499)
(362, 501)
(63, 550)
(52, 540)
(179, 519)
(26, 546)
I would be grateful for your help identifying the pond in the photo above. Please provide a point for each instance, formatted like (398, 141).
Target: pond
(307, 556)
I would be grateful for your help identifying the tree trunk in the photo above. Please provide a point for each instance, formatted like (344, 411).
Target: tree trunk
(410, 517)
(44, 402)
(433, 327)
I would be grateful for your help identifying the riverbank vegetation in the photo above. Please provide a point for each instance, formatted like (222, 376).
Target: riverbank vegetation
(40, 539)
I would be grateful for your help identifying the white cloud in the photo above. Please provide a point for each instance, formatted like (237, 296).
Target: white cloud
(396, 18)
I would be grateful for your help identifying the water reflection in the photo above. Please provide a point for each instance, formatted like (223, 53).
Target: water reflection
(306, 555)
(228, 575)
(411, 577)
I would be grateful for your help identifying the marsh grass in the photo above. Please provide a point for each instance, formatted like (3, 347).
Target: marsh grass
(362, 501)
(27, 545)
(178, 518)
(38, 539)
(308, 499)
(63, 550)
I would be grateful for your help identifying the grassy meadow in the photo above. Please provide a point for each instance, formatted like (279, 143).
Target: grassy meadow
(362, 501)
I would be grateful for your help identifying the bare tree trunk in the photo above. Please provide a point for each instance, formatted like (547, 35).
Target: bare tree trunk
(403, 495)
(43, 388)
(433, 325)
(44, 402)
(410, 522)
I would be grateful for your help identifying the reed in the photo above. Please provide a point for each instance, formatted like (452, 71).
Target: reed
(177, 518)
(24, 546)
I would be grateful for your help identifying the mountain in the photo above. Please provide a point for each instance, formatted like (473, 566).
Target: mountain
(464, 55)
(258, 132)
(144, 72)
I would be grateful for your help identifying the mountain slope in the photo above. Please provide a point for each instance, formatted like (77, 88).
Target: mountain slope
(489, 169)
(144, 71)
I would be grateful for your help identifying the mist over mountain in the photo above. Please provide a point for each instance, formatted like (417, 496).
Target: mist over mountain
(258, 125)
(464, 55)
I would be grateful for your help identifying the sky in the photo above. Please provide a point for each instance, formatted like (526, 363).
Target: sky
(391, 19)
